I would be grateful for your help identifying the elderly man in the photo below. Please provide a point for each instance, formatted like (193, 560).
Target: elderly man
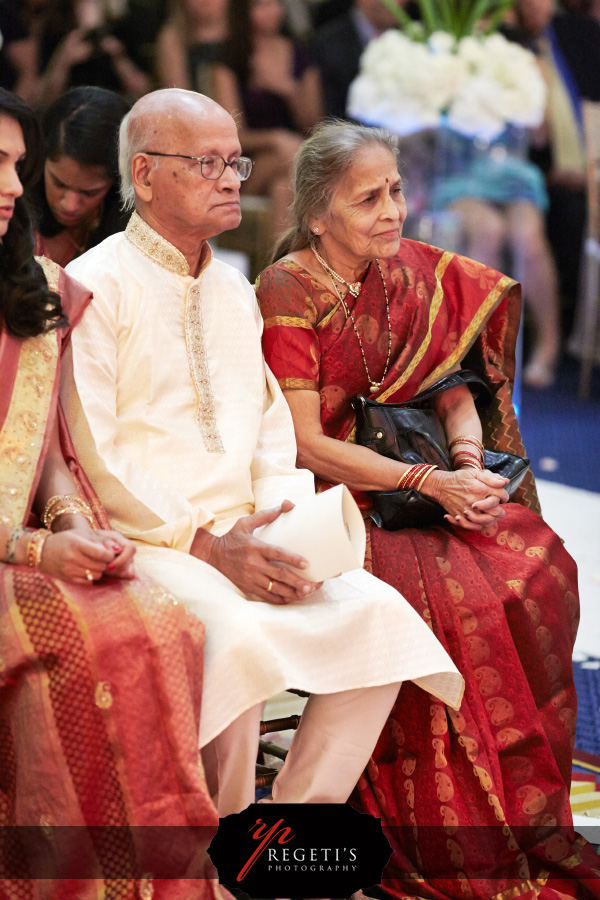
(188, 441)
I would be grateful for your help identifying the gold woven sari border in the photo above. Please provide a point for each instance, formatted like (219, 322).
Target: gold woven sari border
(434, 309)
(508, 894)
(287, 322)
(327, 319)
(302, 384)
(23, 430)
(51, 271)
(471, 331)
(517, 891)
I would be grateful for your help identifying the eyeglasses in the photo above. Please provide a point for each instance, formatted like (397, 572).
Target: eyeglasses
(212, 167)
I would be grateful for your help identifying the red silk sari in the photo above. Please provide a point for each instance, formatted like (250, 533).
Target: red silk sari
(100, 690)
(476, 803)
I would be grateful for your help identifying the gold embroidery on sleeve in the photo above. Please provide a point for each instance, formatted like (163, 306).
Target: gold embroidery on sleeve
(298, 384)
(287, 322)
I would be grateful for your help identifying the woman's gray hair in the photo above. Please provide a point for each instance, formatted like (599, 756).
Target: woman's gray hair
(134, 134)
(320, 166)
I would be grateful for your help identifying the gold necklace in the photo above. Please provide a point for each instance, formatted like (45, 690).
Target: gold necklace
(373, 385)
(353, 287)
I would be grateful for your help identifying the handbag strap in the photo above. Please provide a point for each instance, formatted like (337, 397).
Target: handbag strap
(477, 386)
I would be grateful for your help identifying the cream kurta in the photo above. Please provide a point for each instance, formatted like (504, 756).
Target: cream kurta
(179, 424)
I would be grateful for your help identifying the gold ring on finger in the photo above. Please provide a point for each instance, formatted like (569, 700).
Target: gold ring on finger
(89, 575)
(270, 588)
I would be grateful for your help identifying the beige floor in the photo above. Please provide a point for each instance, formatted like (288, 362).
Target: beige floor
(575, 515)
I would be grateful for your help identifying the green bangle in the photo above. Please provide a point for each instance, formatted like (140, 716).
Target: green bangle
(11, 544)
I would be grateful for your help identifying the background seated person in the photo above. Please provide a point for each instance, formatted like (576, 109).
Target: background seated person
(190, 42)
(78, 199)
(274, 90)
(81, 42)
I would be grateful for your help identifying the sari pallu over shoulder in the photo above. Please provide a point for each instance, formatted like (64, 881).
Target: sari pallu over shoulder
(29, 399)
(100, 690)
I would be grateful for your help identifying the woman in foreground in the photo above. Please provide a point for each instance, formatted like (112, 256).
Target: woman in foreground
(101, 673)
(479, 797)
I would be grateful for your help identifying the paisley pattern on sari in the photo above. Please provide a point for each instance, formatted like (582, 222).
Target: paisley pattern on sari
(100, 691)
(476, 802)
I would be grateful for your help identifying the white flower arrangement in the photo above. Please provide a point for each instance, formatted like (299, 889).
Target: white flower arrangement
(479, 84)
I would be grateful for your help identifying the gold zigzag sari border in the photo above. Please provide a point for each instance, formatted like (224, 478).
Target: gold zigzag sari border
(471, 331)
(434, 309)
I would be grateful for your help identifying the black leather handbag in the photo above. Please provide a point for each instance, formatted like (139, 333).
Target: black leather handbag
(412, 432)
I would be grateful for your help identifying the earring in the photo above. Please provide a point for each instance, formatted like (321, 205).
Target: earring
(315, 230)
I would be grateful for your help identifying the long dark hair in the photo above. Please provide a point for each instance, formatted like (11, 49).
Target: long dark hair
(240, 43)
(27, 306)
(83, 124)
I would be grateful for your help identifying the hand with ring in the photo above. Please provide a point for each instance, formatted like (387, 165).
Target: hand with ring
(261, 571)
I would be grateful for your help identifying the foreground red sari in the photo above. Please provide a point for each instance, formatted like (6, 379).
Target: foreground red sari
(476, 802)
(100, 690)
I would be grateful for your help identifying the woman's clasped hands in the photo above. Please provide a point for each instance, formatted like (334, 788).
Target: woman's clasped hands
(75, 555)
(472, 498)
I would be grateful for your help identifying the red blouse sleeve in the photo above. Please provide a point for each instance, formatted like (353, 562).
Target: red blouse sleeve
(290, 342)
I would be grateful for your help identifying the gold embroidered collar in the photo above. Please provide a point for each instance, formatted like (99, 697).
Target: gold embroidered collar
(158, 249)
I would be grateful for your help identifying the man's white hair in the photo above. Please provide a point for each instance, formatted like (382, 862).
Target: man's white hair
(134, 134)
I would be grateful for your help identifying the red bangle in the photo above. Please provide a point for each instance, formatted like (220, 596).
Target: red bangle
(408, 478)
(467, 459)
(466, 439)
(466, 453)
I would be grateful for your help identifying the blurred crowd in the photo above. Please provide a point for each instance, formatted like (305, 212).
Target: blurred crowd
(280, 66)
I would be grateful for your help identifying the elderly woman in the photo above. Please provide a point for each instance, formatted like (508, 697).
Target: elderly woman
(100, 672)
(353, 308)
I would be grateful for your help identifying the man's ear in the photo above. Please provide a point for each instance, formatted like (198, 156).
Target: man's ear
(142, 167)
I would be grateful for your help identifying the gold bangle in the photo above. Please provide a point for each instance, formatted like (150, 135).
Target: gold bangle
(415, 476)
(405, 480)
(35, 547)
(401, 481)
(66, 504)
(425, 476)
(466, 439)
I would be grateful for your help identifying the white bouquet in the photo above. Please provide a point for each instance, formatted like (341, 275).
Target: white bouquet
(480, 84)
